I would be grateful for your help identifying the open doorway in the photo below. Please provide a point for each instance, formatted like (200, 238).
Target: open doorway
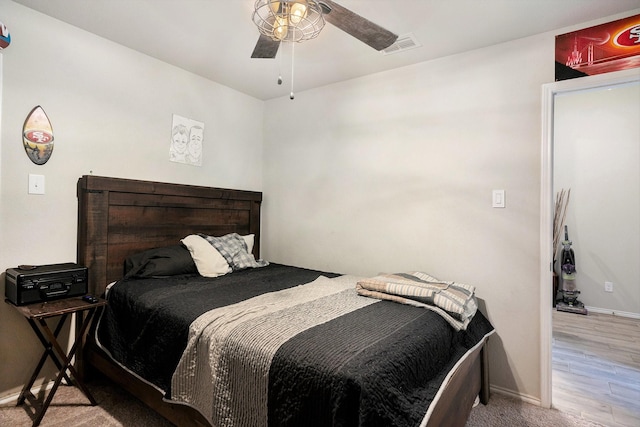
(551, 93)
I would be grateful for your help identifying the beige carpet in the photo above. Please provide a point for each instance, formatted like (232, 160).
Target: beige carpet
(70, 408)
(503, 411)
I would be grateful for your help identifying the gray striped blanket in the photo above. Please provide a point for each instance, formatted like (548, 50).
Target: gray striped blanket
(455, 302)
(213, 375)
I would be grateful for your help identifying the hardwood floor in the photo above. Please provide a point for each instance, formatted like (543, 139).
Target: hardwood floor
(596, 367)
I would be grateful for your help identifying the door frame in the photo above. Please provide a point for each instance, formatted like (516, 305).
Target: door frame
(547, 201)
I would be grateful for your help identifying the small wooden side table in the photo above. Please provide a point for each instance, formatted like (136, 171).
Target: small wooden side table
(36, 314)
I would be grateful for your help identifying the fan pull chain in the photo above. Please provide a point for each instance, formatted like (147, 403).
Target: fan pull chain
(291, 96)
(280, 65)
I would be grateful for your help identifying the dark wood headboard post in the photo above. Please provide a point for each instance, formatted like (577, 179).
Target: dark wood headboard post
(120, 217)
(92, 232)
(254, 225)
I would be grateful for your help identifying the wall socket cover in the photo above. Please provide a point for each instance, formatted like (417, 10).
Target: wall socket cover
(36, 184)
(608, 286)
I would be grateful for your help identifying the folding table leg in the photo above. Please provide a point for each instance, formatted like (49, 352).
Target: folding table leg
(69, 357)
(57, 353)
(47, 352)
(48, 400)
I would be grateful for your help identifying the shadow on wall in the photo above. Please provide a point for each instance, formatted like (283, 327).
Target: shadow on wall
(498, 357)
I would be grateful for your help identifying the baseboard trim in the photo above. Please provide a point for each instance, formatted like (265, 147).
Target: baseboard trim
(510, 393)
(613, 312)
(13, 398)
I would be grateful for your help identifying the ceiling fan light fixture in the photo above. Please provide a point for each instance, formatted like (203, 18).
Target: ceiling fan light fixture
(298, 12)
(280, 29)
(288, 20)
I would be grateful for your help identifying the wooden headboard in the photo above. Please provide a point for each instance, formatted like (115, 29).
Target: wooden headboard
(120, 217)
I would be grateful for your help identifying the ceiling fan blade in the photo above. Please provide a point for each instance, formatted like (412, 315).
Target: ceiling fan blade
(359, 27)
(265, 48)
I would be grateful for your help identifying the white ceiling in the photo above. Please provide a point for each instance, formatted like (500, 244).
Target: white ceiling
(215, 38)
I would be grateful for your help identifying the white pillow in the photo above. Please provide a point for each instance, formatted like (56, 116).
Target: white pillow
(208, 260)
(248, 239)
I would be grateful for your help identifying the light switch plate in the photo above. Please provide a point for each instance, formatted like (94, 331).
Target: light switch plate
(36, 184)
(498, 199)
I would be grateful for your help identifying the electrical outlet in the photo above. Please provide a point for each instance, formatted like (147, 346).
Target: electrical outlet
(36, 184)
(608, 286)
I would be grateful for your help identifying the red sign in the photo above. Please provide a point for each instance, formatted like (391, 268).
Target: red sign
(601, 49)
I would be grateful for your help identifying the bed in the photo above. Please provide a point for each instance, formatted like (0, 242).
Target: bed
(303, 378)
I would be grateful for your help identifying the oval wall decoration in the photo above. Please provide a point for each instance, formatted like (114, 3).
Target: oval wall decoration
(5, 37)
(37, 136)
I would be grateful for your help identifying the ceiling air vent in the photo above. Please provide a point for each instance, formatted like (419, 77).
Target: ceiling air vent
(404, 42)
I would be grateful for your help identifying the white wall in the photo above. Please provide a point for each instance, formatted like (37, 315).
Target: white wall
(111, 110)
(597, 156)
(395, 171)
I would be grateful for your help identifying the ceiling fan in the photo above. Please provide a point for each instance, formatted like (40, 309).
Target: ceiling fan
(279, 21)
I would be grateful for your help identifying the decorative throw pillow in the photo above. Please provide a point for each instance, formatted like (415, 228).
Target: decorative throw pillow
(207, 259)
(249, 239)
(234, 250)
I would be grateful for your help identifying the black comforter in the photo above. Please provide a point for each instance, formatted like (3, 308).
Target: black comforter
(381, 364)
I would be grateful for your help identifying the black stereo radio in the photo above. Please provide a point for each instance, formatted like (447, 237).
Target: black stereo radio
(31, 284)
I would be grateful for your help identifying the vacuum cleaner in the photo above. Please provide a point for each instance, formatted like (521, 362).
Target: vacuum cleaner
(567, 298)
